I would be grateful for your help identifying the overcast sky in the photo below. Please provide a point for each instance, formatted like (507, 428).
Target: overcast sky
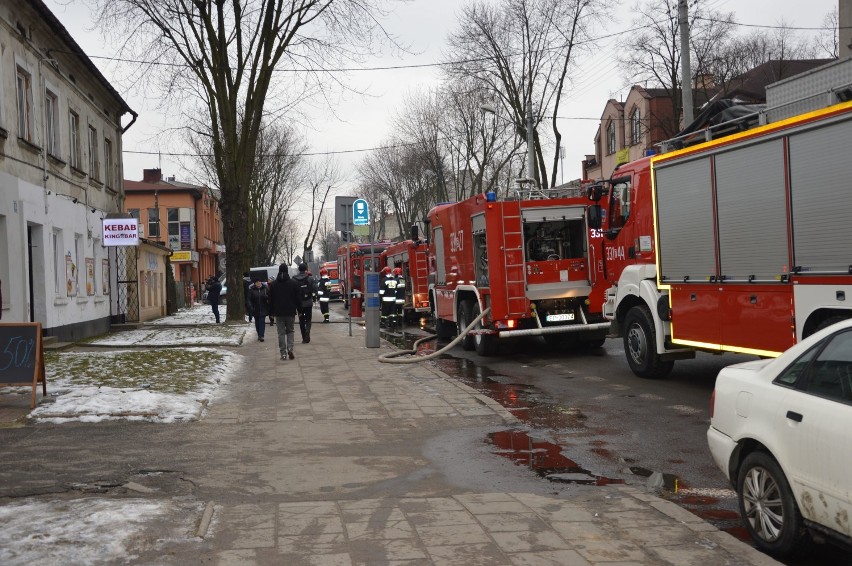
(424, 24)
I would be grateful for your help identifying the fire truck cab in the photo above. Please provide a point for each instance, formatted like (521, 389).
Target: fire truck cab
(737, 244)
(527, 259)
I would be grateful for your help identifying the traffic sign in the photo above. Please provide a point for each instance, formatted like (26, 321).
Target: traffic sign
(360, 213)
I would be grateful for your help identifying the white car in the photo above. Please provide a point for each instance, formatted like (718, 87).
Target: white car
(781, 430)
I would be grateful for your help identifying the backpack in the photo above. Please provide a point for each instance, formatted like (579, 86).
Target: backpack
(305, 292)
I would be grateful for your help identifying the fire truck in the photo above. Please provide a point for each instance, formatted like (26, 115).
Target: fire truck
(353, 260)
(738, 244)
(527, 259)
(334, 280)
(412, 257)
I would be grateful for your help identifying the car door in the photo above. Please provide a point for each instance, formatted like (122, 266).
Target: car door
(819, 424)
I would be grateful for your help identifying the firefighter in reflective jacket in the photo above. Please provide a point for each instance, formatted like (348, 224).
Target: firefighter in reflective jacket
(324, 293)
(387, 292)
(400, 297)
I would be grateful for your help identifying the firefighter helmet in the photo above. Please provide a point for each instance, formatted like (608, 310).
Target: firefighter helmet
(397, 271)
(323, 271)
(386, 270)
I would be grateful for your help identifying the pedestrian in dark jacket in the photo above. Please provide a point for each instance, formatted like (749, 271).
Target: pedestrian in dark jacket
(213, 288)
(259, 301)
(284, 304)
(307, 295)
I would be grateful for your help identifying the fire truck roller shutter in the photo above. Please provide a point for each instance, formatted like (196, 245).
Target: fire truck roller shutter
(686, 233)
(752, 213)
(821, 203)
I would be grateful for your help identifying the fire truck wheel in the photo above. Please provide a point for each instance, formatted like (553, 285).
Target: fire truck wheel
(640, 345)
(465, 317)
(485, 344)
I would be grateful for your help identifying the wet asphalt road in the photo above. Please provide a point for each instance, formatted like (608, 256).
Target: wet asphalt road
(588, 419)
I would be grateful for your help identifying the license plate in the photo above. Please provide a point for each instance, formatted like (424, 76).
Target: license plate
(559, 317)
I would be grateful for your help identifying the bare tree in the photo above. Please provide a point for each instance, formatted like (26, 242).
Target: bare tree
(522, 52)
(398, 179)
(828, 41)
(320, 179)
(289, 243)
(328, 240)
(223, 57)
(276, 186)
(652, 54)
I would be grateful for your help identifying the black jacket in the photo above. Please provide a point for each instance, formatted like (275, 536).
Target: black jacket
(214, 288)
(259, 301)
(306, 297)
(284, 296)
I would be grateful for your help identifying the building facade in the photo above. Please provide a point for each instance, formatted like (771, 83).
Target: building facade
(629, 130)
(183, 217)
(60, 175)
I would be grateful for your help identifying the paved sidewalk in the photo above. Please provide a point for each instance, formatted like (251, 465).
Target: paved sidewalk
(333, 386)
(336, 459)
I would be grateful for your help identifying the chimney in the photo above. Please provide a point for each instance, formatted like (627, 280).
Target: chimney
(152, 176)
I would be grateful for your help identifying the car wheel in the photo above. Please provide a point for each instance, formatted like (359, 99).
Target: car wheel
(767, 506)
(640, 345)
(465, 317)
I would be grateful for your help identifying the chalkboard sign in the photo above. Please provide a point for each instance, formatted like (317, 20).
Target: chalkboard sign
(22, 356)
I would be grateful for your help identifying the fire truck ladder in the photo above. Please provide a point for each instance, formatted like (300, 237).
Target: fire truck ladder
(513, 232)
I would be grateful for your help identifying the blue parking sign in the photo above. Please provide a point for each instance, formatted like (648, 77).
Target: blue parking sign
(360, 213)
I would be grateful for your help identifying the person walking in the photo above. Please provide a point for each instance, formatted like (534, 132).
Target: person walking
(259, 301)
(213, 288)
(284, 303)
(324, 293)
(307, 294)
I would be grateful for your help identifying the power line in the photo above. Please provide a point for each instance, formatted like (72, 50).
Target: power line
(764, 26)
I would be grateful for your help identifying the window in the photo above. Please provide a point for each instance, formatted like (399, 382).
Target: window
(153, 223)
(94, 164)
(830, 374)
(108, 180)
(174, 228)
(134, 212)
(610, 138)
(23, 83)
(51, 122)
(74, 131)
(619, 203)
(635, 127)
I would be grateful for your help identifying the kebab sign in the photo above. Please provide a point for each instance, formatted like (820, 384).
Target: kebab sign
(121, 232)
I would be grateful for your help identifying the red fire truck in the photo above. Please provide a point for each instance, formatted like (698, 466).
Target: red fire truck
(527, 259)
(412, 257)
(353, 260)
(740, 244)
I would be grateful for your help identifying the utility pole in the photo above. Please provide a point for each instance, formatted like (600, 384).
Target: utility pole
(530, 144)
(685, 67)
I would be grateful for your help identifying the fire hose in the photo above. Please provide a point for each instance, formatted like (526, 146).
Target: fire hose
(388, 358)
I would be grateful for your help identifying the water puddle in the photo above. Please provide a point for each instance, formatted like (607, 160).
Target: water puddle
(544, 458)
(531, 406)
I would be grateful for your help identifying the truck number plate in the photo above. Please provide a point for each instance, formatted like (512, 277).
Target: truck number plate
(559, 317)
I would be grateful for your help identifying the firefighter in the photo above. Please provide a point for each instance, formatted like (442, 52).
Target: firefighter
(387, 293)
(399, 303)
(324, 293)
